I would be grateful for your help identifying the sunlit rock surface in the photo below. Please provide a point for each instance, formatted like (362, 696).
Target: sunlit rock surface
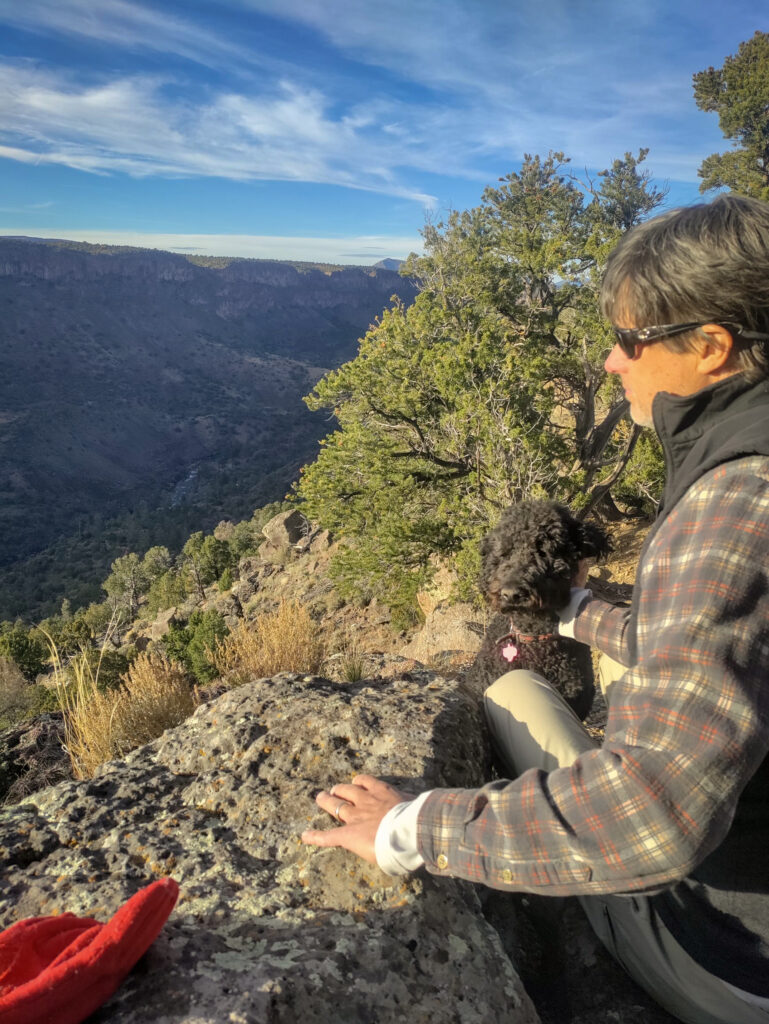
(267, 929)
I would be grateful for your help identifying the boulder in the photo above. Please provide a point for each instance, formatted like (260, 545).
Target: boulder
(224, 530)
(317, 542)
(250, 574)
(227, 604)
(457, 627)
(286, 528)
(165, 619)
(438, 590)
(266, 929)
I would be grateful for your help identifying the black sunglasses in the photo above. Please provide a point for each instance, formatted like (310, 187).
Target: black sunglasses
(629, 338)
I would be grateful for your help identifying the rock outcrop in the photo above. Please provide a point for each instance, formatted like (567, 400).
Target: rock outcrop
(32, 756)
(458, 627)
(267, 929)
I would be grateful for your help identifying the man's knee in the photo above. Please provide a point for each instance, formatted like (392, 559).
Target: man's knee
(519, 689)
(532, 724)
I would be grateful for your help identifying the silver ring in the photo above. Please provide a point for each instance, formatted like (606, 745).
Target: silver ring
(342, 803)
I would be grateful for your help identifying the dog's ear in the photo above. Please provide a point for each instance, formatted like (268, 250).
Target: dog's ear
(551, 589)
(593, 541)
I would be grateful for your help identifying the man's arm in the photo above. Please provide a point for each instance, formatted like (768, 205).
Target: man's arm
(598, 624)
(688, 725)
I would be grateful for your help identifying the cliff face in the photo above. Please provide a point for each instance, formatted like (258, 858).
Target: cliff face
(124, 369)
(229, 289)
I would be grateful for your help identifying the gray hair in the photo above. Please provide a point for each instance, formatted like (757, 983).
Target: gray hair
(708, 262)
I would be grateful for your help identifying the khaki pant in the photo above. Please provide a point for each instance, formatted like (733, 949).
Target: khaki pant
(533, 727)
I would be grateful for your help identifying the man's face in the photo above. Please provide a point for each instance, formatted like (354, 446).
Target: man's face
(655, 368)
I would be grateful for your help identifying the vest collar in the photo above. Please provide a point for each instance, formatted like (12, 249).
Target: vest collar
(726, 420)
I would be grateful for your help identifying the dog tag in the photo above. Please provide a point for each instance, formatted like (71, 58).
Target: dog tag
(509, 652)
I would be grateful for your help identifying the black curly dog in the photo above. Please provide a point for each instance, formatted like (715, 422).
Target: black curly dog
(530, 561)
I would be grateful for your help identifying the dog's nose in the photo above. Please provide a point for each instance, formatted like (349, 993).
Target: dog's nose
(507, 594)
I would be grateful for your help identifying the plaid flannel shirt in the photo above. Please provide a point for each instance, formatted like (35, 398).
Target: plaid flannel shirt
(687, 727)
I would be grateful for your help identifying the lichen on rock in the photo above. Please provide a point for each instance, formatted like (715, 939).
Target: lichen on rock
(266, 929)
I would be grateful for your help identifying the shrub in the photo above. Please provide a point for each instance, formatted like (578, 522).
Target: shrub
(14, 693)
(286, 640)
(167, 590)
(112, 665)
(20, 700)
(90, 736)
(100, 619)
(25, 647)
(41, 700)
(156, 697)
(193, 644)
(351, 663)
(102, 725)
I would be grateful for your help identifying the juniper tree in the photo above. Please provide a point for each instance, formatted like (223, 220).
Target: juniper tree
(487, 389)
(739, 93)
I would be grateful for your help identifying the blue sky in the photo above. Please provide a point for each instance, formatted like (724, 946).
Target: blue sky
(329, 129)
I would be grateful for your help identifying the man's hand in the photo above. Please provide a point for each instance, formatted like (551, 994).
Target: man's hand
(360, 807)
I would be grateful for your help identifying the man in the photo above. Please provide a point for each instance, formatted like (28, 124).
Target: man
(663, 830)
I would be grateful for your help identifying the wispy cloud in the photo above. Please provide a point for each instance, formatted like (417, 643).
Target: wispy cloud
(126, 25)
(439, 87)
(531, 76)
(27, 208)
(360, 249)
(138, 125)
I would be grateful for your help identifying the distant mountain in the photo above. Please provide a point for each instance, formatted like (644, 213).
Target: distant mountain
(133, 380)
(389, 264)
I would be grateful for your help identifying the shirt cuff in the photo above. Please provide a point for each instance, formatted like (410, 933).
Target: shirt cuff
(568, 615)
(395, 845)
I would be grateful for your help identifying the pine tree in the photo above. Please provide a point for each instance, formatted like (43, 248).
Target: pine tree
(488, 389)
(739, 93)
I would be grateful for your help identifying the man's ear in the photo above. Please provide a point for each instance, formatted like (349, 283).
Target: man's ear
(715, 352)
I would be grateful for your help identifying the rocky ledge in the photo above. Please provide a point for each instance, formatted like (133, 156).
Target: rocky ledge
(267, 929)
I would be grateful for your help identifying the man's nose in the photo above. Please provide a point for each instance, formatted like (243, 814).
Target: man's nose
(615, 361)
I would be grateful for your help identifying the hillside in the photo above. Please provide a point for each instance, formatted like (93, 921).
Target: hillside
(150, 393)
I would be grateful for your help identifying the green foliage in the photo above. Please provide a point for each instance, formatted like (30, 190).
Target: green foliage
(126, 583)
(133, 576)
(488, 389)
(107, 665)
(739, 93)
(203, 560)
(25, 647)
(640, 486)
(70, 635)
(98, 618)
(166, 592)
(193, 644)
(156, 562)
(247, 535)
(245, 539)
(225, 581)
(41, 700)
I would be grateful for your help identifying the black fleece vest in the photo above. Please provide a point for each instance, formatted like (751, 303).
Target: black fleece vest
(720, 913)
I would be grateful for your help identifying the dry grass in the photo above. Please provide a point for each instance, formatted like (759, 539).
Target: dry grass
(285, 641)
(14, 690)
(154, 696)
(158, 697)
(351, 662)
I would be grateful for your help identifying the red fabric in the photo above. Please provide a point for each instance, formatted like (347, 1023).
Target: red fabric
(63, 968)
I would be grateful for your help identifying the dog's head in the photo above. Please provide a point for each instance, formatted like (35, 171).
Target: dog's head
(531, 558)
